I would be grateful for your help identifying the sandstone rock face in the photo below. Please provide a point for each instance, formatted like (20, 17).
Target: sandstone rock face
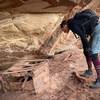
(10, 3)
(39, 5)
(22, 33)
(23, 29)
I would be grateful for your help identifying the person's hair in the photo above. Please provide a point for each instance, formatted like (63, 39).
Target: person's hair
(64, 22)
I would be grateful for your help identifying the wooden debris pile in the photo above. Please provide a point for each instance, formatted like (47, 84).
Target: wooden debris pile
(36, 69)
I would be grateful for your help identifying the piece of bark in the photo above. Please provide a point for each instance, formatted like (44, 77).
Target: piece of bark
(79, 78)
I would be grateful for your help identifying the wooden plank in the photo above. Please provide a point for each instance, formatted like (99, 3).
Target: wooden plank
(50, 40)
(22, 68)
(28, 63)
(41, 78)
(51, 52)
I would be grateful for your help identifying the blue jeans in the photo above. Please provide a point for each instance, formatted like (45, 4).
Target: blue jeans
(95, 40)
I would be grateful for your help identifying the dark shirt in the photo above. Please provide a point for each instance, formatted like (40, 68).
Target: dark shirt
(76, 27)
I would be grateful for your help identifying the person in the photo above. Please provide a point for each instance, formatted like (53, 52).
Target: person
(90, 38)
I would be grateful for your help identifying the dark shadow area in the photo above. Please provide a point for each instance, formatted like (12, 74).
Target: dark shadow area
(65, 3)
(4, 4)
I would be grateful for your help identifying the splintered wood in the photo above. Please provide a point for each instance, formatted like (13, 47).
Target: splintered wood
(50, 41)
(37, 69)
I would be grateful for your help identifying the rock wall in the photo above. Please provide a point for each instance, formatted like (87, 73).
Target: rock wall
(24, 24)
(23, 27)
(22, 33)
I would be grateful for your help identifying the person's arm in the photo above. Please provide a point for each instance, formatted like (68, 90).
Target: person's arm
(84, 40)
(85, 43)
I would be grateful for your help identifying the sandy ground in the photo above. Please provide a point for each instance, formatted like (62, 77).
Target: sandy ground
(62, 65)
